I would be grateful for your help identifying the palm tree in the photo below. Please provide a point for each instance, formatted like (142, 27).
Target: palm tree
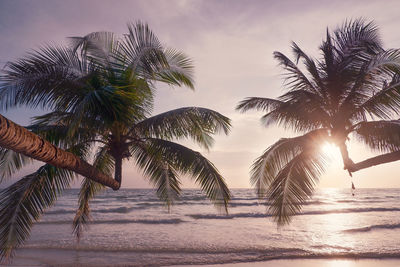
(353, 89)
(20, 140)
(100, 92)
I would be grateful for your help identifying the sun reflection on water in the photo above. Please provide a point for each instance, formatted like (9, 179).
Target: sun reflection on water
(341, 263)
(331, 238)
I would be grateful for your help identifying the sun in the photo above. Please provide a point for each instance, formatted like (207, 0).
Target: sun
(330, 150)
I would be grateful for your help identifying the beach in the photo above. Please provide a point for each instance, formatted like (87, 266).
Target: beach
(54, 258)
(320, 263)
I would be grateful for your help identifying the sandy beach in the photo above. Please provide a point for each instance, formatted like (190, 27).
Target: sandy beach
(319, 263)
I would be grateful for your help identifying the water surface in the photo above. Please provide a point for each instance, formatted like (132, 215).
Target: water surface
(133, 227)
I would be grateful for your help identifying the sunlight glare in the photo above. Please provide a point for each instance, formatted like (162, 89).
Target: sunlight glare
(341, 263)
(331, 150)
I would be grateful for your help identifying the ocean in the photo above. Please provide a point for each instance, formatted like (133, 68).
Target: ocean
(131, 227)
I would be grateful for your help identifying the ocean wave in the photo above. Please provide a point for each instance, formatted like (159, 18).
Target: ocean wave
(234, 203)
(315, 212)
(348, 201)
(180, 250)
(60, 211)
(324, 247)
(360, 201)
(229, 216)
(115, 210)
(131, 198)
(372, 227)
(349, 210)
(125, 210)
(139, 204)
(245, 204)
(316, 202)
(140, 221)
(108, 210)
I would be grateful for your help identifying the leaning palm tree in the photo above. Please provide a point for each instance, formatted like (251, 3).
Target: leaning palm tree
(100, 92)
(353, 89)
(19, 139)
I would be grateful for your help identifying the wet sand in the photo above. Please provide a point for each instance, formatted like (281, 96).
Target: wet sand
(318, 263)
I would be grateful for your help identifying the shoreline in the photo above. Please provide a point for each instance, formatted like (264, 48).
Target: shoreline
(316, 262)
(60, 257)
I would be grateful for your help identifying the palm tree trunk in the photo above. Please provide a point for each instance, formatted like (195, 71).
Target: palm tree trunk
(351, 167)
(347, 162)
(381, 159)
(118, 169)
(19, 139)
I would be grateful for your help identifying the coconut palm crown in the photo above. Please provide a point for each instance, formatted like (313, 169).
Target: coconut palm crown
(354, 88)
(99, 91)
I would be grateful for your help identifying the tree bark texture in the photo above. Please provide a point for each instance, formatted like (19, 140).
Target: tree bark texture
(351, 167)
(118, 169)
(381, 159)
(19, 139)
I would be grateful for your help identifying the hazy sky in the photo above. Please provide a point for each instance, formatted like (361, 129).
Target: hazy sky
(231, 43)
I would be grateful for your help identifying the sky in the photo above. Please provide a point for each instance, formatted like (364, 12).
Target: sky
(231, 43)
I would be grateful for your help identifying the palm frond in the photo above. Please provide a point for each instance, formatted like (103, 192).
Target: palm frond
(97, 46)
(386, 62)
(277, 156)
(383, 136)
(39, 79)
(265, 167)
(160, 173)
(294, 77)
(151, 156)
(327, 65)
(313, 115)
(168, 185)
(294, 184)
(107, 103)
(141, 51)
(22, 203)
(286, 173)
(312, 68)
(136, 94)
(103, 103)
(57, 133)
(11, 162)
(381, 67)
(345, 54)
(258, 103)
(383, 103)
(189, 122)
(357, 38)
(178, 71)
(89, 189)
